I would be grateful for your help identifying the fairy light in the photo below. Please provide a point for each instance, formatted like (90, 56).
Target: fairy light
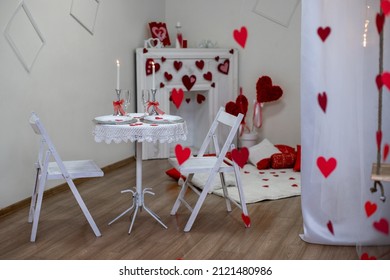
(366, 23)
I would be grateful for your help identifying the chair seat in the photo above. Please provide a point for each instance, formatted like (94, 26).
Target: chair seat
(76, 169)
(199, 165)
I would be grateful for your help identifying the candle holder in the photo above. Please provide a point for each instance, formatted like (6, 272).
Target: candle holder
(153, 102)
(118, 110)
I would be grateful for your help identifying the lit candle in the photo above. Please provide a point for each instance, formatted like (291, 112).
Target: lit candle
(153, 75)
(118, 66)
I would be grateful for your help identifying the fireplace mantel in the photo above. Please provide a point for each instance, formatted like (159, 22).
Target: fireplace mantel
(208, 73)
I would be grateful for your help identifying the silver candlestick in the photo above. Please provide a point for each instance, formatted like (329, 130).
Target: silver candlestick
(118, 96)
(153, 100)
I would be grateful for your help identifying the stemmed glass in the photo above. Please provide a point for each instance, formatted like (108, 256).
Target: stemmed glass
(127, 101)
(145, 99)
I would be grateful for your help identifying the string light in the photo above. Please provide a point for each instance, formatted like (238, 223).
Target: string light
(366, 23)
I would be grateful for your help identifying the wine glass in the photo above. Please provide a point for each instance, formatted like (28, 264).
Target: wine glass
(145, 99)
(127, 98)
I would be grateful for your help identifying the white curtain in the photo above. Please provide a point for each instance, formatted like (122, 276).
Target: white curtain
(339, 103)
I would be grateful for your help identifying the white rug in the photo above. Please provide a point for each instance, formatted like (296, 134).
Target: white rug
(258, 185)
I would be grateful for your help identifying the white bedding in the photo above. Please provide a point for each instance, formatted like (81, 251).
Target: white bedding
(258, 185)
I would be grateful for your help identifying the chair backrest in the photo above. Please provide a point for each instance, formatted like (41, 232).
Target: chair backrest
(47, 148)
(231, 121)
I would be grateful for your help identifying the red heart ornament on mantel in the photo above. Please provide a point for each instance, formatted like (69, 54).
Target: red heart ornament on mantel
(246, 220)
(323, 32)
(326, 166)
(200, 98)
(370, 208)
(386, 79)
(188, 81)
(148, 66)
(382, 226)
(322, 101)
(385, 5)
(266, 92)
(224, 67)
(240, 36)
(177, 97)
(199, 64)
(182, 154)
(240, 156)
(177, 65)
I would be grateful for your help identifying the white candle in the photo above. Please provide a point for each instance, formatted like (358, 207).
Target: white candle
(153, 75)
(117, 74)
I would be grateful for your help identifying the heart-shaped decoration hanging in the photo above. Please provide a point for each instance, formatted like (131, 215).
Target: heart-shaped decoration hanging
(177, 65)
(266, 92)
(322, 101)
(200, 98)
(224, 67)
(382, 226)
(188, 81)
(246, 219)
(240, 156)
(182, 155)
(378, 139)
(378, 81)
(148, 66)
(199, 64)
(168, 76)
(386, 79)
(177, 97)
(386, 149)
(232, 108)
(385, 5)
(370, 208)
(330, 227)
(208, 76)
(380, 21)
(323, 32)
(326, 166)
(240, 36)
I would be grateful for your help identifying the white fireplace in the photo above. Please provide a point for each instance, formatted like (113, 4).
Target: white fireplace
(209, 79)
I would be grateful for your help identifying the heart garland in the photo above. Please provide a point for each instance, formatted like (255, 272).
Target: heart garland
(326, 166)
(240, 156)
(323, 32)
(380, 21)
(177, 97)
(330, 227)
(182, 155)
(386, 79)
(240, 36)
(382, 226)
(386, 150)
(322, 101)
(370, 208)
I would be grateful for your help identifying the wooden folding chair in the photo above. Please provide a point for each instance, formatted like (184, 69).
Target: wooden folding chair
(211, 165)
(58, 169)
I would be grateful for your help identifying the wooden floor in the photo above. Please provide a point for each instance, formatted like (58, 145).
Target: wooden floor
(64, 233)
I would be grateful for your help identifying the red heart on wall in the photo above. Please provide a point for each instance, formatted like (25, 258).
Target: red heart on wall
(378, 81)
(386, 149)
(326, 166)
(330, 227)
(163, 59)
(188, 81)
(386, 79)
(148, 66)
(385, 5)
(199, 64)
(266, 92)
(208, 76)
(168, 76)
(240, 156)
(177, 97)
(380, 21)
(322, 101)
(323, 32)
(182, 154)
(240, 36)
(382, 226)
(200, 98)
(378, 139)
(246, 220)
(224, 67)
(162, 85)
(177, 65)
(370, 208)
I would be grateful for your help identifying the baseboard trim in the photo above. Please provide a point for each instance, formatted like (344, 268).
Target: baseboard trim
(61, 188)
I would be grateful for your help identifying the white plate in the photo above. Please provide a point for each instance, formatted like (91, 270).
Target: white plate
(111, 119)
(164, 119)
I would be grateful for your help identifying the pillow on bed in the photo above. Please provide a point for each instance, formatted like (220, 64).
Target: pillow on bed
(283, 160)
(285, 149)
(264, 164)
(173, 173)
(264, 150)
(297, 166)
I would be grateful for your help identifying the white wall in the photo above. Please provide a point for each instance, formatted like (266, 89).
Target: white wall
(271, 49)
(71, 82)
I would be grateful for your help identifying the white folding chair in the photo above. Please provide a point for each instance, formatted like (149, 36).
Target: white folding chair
(211, 165)
(58, 169)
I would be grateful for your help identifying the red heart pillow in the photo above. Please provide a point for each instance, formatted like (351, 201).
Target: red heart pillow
(266, 92)
(232, 108)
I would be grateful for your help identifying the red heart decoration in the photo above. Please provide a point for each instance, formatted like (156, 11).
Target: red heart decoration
(148, 66)
(382, 226)
(240, 156)
(168, 76)
(188, 81)
(200, 98)
(158, 118)
(145, 50)
(162, 85)
(365, 256)
(246, 219)
(188, 100)
(208, 76)
(330, 227)
(378, 139)
(232, 108)
(266, 92)
(163, 59)
(322, 100)
(240, 36)
(224, 67)
(378, 81)
(326, 166)
(323, 32)
(294, 185)
(370, 208)
(380, 21)
(231, 51)
(386, 79)
(385, 5)
(182, 154)
(199, 64)
(386, 149)
(177, 97)
(177, 65)
(213, 85)
(216, 58)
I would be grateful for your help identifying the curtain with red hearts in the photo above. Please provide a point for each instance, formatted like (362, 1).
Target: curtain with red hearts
(339, 120)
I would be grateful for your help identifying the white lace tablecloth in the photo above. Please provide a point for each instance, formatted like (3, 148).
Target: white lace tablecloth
(141, 132)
